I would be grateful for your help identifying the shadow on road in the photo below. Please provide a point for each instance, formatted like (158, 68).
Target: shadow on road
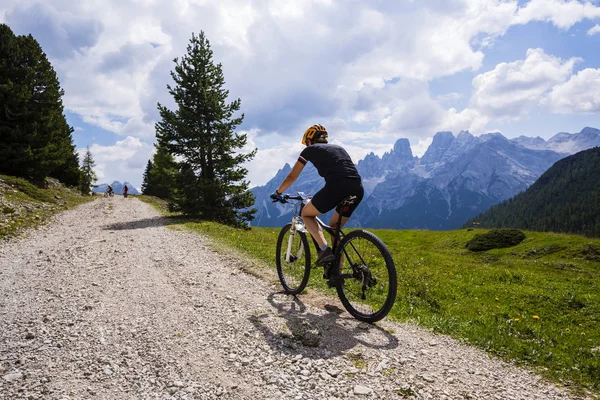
(318, 336)
(145, 223)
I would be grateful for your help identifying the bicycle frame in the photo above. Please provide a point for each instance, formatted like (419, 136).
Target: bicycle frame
(298, 224)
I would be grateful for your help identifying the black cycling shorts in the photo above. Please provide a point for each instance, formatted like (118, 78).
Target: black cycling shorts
(333, 193)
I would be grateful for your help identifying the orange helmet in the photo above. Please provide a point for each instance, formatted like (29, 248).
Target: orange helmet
(317, 133)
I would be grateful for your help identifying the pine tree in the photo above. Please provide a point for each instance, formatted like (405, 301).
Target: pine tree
(160, 174)
(15, 138)
(35, 139)
(88, 175)
(201, 132)
(146, 180)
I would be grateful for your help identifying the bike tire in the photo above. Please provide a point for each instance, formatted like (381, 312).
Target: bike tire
(381, 267)
(293, 275)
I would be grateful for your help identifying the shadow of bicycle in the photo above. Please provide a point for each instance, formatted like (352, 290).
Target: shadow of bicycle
(144, 223)
(294, 330)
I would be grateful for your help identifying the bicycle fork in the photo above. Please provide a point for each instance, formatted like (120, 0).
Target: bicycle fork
(296, 225)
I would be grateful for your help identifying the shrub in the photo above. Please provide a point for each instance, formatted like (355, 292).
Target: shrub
(495, 239)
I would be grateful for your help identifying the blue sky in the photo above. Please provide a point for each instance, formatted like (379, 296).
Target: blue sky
(371, 72)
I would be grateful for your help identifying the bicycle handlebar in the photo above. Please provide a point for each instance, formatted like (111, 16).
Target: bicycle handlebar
(283, 198)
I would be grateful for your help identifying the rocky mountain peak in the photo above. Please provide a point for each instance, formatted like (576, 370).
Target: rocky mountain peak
(457, 178)
(402, 149)
(441, 142)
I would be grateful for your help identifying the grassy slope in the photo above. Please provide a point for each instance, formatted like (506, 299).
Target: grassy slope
(23, 205)
(537, 303)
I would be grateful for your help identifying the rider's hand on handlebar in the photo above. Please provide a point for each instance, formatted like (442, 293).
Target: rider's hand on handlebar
(277, 197)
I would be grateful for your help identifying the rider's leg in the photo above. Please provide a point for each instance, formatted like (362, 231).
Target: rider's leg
(309, 212)
(334, 220)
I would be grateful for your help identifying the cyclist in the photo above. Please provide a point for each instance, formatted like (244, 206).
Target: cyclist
(109, 190)
(125, 190)
(341, 180)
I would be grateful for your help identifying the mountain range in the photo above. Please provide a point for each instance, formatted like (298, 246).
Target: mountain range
(456, 179)
(117, 187)
(566, 198)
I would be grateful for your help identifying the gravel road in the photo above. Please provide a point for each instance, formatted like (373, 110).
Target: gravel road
(107, 302)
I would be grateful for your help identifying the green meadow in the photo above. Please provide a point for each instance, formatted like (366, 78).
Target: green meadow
(536, 303)
(24, 205)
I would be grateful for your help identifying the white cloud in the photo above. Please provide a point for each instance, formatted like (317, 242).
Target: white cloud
(268, 55)
(511, 89)
(466, 120)
(562, 13)
(366, 64)
(594, 30)
(580, 94)
(123, 161)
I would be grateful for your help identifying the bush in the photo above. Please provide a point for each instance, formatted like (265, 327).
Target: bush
(495, 239)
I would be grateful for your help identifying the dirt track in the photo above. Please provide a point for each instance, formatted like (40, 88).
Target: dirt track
(108, 303)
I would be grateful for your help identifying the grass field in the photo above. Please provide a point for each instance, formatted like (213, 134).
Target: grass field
(24, 205)
(537, 303)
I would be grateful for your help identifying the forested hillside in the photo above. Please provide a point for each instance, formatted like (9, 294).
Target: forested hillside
(35, 139)
(566, 198)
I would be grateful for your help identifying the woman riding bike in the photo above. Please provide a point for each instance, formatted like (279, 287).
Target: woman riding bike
(341, 180)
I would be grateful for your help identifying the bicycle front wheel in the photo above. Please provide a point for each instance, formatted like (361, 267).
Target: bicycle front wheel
(367, 285)
(293, 268)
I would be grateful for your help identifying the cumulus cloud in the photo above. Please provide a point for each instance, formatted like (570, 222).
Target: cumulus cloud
(563, 14)
(511, 89)
(284, 73)
(123, 161)
(365, 64)
(580, 94)
(60, 32)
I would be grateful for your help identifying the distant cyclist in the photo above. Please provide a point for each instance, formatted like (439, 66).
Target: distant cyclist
(125, 190)
(109, 190)
(341, 180)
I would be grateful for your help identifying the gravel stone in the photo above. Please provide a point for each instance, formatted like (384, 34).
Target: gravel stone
(13, 376)
(108, 302)
(362, 390)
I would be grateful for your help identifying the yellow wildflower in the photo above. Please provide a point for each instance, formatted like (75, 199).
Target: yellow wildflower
(536, 317)
(497, 299)
(517, 319)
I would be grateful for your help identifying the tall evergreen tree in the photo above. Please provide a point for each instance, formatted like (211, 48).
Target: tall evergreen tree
(88, 175)
(35, 139)
(15, 96)
(146, 179)
(160, 174)
(201, 132)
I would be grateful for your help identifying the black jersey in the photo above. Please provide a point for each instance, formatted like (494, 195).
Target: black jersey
(332, 162)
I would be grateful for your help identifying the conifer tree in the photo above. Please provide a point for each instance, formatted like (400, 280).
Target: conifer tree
(35, 139)
(201, 133)
(88, 175)
(160, 174)
(146, 180)
(15, 138)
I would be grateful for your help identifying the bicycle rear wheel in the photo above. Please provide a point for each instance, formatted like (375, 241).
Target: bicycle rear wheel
(367, 285)
(294, 272)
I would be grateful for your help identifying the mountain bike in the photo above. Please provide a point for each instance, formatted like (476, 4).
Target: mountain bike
(363, 270)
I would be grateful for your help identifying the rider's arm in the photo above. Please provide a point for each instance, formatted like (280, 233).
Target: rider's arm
(298, 167)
